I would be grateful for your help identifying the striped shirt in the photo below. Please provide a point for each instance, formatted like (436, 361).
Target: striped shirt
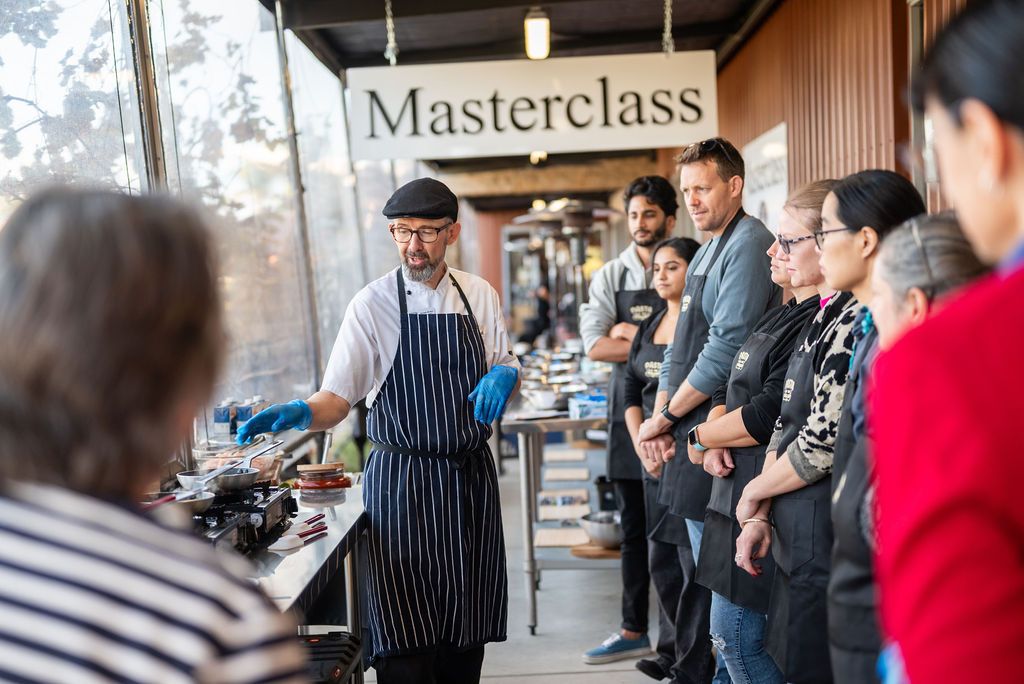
(93, 591)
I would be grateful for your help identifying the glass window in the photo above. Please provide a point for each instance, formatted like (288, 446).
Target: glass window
(329, 185)
(226, 145)
(68, 104)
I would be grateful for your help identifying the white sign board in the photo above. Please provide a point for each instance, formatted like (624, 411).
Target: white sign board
(514, 107)
(767, 178)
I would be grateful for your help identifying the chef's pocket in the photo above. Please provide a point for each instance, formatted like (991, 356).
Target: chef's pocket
(794, 533)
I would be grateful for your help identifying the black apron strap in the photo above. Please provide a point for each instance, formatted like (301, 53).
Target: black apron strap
(403, 308)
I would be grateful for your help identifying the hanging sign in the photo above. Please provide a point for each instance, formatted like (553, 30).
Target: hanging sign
(514, 107)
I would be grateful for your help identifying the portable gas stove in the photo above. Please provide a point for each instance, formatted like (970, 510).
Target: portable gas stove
(247, 519)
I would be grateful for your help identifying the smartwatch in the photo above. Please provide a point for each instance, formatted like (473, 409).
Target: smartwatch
(668, 415)
(694, 439)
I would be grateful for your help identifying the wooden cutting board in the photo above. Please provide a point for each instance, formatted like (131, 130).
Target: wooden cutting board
(580, 494)
(549, 537)
(589, 550)
(571, 512)
(566, 474)
(564, 455)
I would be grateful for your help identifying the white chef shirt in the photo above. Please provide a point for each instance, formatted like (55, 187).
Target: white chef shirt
(370, 332)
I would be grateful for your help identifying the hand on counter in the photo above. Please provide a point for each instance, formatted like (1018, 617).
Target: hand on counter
(492, 392)
(294, 415)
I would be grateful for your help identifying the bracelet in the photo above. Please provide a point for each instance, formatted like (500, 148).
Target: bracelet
(760, 520)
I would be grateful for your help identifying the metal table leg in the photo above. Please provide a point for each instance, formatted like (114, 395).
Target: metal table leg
(355, 623)
(529, 497)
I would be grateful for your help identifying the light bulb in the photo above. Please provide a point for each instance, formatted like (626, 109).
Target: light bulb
(537, 31)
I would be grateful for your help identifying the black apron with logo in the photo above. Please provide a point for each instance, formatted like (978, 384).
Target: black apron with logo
(685, 487)
(797, 633)
(646, 363)
(853, 625)
(631, 306)
(716, 570)
(436, 552)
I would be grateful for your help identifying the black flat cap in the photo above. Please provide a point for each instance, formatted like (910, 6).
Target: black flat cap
(423, 198)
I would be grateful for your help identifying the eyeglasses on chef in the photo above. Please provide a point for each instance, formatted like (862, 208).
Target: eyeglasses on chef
(426, 235)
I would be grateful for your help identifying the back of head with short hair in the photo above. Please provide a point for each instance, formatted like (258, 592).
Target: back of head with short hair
(110, 315)
(929, 253)
(727, 159)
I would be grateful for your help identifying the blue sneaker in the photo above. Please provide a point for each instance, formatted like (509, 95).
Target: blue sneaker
(617, 647)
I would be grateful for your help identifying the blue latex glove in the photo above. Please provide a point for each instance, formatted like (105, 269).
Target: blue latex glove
(295, 414)
(492, 393)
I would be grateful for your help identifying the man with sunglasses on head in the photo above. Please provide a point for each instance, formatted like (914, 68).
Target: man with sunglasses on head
(728, 289)
(429, 344)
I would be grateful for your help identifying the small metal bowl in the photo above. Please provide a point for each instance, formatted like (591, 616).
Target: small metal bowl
(236, 478)
(604, 528)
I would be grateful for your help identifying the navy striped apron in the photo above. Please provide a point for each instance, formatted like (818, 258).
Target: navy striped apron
(436, 547)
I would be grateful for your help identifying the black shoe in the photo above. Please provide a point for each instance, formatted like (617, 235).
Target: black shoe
(653, 669)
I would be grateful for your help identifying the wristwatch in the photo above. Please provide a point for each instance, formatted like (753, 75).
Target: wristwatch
(668, 415)
(694, 439)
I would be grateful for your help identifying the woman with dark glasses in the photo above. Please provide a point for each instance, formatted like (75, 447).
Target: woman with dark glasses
(858, 212)
(732, 443)
(918, 263)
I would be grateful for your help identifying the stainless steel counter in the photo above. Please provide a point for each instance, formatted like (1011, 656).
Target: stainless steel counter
(294, 579)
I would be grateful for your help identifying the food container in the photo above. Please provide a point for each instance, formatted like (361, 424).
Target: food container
(322, 484)
(223, 414)
(582, 407)
(211, 455)
(604, 528)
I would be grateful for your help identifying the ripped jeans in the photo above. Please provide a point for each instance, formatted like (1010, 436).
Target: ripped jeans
(738, 635)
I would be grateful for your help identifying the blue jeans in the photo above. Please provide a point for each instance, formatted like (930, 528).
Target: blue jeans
(738, 635)
(695, 529)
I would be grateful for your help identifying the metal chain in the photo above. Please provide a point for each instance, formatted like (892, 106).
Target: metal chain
(668, 45)
(391, 51)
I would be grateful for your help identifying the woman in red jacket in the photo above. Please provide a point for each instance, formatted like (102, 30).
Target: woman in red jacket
(947, 419)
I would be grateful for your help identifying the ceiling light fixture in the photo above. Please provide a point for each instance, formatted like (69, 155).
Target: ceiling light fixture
(537, 32)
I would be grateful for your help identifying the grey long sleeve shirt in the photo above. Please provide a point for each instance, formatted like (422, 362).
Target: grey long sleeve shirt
(738, 291)
(598, 315)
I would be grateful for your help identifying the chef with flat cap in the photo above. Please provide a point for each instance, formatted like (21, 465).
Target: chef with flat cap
(429, 343)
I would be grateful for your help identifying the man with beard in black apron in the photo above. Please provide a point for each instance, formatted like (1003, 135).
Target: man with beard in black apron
(620, 299)
(430, 343)
(728, 289)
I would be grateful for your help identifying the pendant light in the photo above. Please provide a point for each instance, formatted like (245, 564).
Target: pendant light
(537, 32)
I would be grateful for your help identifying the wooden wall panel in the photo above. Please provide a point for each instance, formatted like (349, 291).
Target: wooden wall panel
(835, 72)
(937, 14)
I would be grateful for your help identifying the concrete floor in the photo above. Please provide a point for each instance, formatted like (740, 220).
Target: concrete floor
(577, 610)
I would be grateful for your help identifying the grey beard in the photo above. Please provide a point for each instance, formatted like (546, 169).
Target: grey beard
(419, 275)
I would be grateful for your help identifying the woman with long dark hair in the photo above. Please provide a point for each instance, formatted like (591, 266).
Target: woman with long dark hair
(670, 260)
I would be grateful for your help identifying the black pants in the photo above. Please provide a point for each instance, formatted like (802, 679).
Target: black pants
(688, 605)
(636, 578)
(443, 666)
